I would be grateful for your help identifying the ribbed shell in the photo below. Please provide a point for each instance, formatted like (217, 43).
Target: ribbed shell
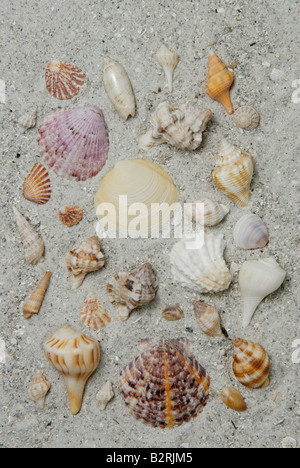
(246, 117)
(32, 243)
(168, 60)
(93, 313)
(118, 88)
(208, 319)
(208, 213)
(250, 232)
(74, 142)
(251, 364)
(38, 389)
(63, 80)
(172, 313)
(33, 304)
(37, 187)
(165, 386)
(220, 80)
(70, 215)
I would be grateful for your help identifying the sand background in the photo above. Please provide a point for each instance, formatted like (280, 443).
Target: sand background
(259, 37)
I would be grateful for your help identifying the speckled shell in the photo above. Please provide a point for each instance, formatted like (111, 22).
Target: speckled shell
(181, 127)
(250, 232)
(168, 60)
(32, 243)
(118, 88)
(105, 394)
(220, 80)
(210, 214)
(33, 304)
(232, 398)
(165, 386)
(63, 80)
(251, 364)
(74, 142)
(246, 117)
(38, 389)
(208, 319)
(70, 215)
(93, 313)
(37, 187)
(172, 313)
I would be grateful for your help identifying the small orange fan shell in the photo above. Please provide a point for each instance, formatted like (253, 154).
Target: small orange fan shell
(63, 80)
(37, 186)
(70, 215)
(220, 80)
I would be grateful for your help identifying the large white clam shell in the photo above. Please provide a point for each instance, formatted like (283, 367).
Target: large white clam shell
(250, 232)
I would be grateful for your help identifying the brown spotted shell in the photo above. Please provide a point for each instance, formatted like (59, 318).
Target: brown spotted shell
(251, 364)
(165, 386)
(70, 215)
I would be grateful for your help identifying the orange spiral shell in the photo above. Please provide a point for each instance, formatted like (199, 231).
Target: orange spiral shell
(220, 80)
(251, 364)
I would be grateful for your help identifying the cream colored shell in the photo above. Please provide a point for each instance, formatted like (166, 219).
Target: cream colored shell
(118, 88)
(246, 118)
(105, 394)
(38, 389)
(32, 243)
(208, 319)
(93, 313)
(232, 398)
(250, 232)
(206, 212)
(168, 60)
(34, 302)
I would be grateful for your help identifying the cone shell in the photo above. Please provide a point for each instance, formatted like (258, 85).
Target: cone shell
(76, 357)
(168, 60)
(85, 259)
(37, 187)
(220, 80)
(93, 313)
(208, 319)
(165, 386)
(118, 88)
(63, 80)
(172, 313)
(206, 212)
(232, 398)
(38, 389)
(70, 215)
(233, 174)
(247, 118)
(33, 304)
(74, 142)
(251, 364)
(32, 243)
(250, 232)
(105, 394)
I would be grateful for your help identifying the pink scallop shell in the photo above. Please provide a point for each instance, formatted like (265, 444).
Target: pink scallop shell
(74, 142)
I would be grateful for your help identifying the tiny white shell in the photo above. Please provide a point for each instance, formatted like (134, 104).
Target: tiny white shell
(206, 212)
(250, 232)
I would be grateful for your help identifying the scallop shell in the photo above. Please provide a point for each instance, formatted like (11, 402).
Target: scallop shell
(172, 313)
(220, 80)
(105, 394)
(208, 319)
(233, 174)
(63, 80)
(232, 398)
(118, 88)
(74, 142)
(206, 212)
(130, 290)
(142, 182)
(251, 364)
(37, 187)
(201, 269)
(33, 304)
(83, 260)
(247, 118)
(32, 243)
(38, 389)
(165, 386)
(250, 232)
(70, 215)
(76, 357)
(168, 60)
(94, 314)
(258, 279)
(181, 127)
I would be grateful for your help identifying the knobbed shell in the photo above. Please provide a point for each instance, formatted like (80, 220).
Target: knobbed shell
(37, 187)
(32, 243)
(168, 60)
(165, 386)
(250, 232)
(172, 313)
(247, 118)
(232, 398)
(233, 173)
(105, 394)
(201, 269)
(76, 357)
(63, 80)
(34, 303)
(181, 127)
(93, 313)
(251, 364)
(118, 88)
(208, 319)
(38, 389)
(206, 212)
(220, 80)
(258, 279)
(70, 215)
(83, 260)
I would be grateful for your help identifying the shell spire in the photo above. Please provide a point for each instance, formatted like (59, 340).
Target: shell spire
(32, 243)
(33, 304)
(220, 80)
(169, 61)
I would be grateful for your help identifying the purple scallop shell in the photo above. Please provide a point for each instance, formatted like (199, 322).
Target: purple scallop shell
(74, 142)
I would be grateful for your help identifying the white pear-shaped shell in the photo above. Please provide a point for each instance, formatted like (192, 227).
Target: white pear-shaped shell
(38, 389)
(250, 232)
(246, 118)
(34, 302)
(105, 394)
(118, 88)
(258, 279)
(201, 269)
(206, 212)
(32, 243)
(208, 319)
(168, 60)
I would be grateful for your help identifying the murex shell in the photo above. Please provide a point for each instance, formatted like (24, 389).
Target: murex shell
(208, 319)
(206, 212)
(220, 80)
(181, 127)
(33, 304)
(63, 80)
(38, 389)
(251, 364)
(70, 215)
(74, 142)
(250, 232)
(202, 269)
(246, 118)
(37, 187)
(165, 386)
(32, 243)
(168, 60)
(93, 313)
(118, 88)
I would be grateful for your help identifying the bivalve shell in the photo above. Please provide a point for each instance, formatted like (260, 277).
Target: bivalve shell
(63, 80)
(250, 232)
(37, 187)
(70, 215)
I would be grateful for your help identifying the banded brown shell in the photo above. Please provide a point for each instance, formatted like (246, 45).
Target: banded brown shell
(93, 313)
(208, 319)
(172, 313)
(63, 80)
(251, 364)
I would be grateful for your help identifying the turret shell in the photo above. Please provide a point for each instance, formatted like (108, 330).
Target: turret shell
(32, 243)
(33, 304)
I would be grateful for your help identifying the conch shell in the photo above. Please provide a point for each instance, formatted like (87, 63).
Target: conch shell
(251, 364)
(181, 127)
(76, 356)
(33, 304)
(32, 243)
(208, 319)
(220, 80)
(118, 88)
(210, 213)
(232, 398)
(168, 60)
(250, 232)
(38, 389)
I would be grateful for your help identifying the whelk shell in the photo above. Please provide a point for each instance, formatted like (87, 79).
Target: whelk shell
(206, 212)
(220, 80)
(250, 232)
(118, 88)
(246, 117)
(38, 389)
(94, 314)
(63, 80)
(76, 357)
(168, 60)
(208, 319)
(70, 215)
(37, 187)
(172, 313)
(251, 364)
(165, 386)
(105, 394)
(32, 243)
(33, 304)
(232, 398)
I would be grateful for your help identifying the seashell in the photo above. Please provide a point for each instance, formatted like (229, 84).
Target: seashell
(32, 243)
(181, 127)
(118, 88)
(74, 142)
(83, 260)
(38, 390)
(208, 319)
(233, 174)
(94, 314)
(63, 80)
(105, 394)
(201, 269)
(37, 187)
(206, 212)
(258, 279)
(232, 398)
(250, 232)
(220, 80)
(76, 356)
(251, 364)
(165, 386)
(246, 117)
(33, 304)
(130, 290)
(172, 313)
(168, 60)
(70, 215)
(142, 182)
(27, 119)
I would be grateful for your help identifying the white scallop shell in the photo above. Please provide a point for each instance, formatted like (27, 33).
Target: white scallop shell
(250, 232)
(206, 212)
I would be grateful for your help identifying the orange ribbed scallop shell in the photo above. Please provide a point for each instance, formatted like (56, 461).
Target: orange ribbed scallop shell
(220, 80)
(70, 215)
(63, 80)
(37, 186)
(251, 364)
